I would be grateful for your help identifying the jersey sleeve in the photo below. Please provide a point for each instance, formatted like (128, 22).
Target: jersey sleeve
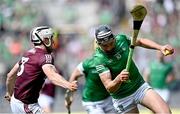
(46, 59)
(80, 68)
(101, 69)
(84, 66)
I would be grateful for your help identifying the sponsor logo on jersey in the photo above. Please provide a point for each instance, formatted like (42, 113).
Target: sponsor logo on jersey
(48, 58)
(118, 56)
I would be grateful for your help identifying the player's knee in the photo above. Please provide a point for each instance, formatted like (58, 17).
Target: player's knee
(165, 110)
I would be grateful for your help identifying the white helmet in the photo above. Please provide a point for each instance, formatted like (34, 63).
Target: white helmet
(38, 34)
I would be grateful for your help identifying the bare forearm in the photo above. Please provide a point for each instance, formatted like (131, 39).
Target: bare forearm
(110, 85)
(9, 87)
(113, 85)
(75, 75)
(11, 77)
(59, 80)
(146, 43)
(10, 84)
(54, 76)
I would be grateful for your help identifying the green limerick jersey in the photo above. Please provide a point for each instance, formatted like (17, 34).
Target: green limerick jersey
(115, 63)
(94, 89)
(158, 74)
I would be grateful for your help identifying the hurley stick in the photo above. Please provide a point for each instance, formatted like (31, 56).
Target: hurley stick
(138, 13)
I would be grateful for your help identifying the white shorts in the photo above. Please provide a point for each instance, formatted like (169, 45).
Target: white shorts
(45, 101)
(128, 103)
(100, 107)
(18, 107)
(164, 93)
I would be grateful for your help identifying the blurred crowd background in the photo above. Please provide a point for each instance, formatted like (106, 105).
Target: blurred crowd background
(74, 22)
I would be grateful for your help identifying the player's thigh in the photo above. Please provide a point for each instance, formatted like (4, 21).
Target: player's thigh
(107, 106)
(19, 107)
(16, 106)
(35, 108)
(94, 110)
(109, 109)
(153, 101)
(164, 93)
(125, 105)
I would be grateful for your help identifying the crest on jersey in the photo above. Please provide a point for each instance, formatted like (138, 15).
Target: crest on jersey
(48, 58)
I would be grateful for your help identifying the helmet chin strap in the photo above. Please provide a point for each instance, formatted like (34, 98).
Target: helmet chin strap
(48, 48)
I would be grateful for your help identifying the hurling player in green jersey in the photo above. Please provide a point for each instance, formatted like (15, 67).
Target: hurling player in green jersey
(159, 74)
(95, 97)
(111, 58)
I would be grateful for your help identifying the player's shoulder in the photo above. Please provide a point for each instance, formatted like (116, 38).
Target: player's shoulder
(88, 60)
(43, 53)
(122, 36)
(29, 52)
(92, 61)
(44, 57)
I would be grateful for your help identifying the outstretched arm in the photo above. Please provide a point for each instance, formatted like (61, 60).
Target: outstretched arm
(57, 79)
(146, 43)
(10, 81)
(75, 74)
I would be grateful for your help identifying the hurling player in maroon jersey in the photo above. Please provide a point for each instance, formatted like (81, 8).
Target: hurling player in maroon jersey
(26, 78)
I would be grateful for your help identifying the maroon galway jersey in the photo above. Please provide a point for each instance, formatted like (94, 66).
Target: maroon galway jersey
(30, 76)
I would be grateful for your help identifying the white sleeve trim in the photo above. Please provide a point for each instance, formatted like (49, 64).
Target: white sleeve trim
(80, 68)
(108, 71)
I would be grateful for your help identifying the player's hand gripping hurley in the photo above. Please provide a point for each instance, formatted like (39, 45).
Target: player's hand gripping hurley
(138, 13)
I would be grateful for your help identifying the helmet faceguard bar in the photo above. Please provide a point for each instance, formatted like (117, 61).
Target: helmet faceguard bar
(39, 38)
(42, 41)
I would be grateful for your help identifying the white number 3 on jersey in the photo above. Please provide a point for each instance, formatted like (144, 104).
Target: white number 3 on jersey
(23, 61)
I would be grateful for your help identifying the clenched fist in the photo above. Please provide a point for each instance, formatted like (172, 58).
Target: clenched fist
(73, 86)
(7, 96)
(123, 76)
